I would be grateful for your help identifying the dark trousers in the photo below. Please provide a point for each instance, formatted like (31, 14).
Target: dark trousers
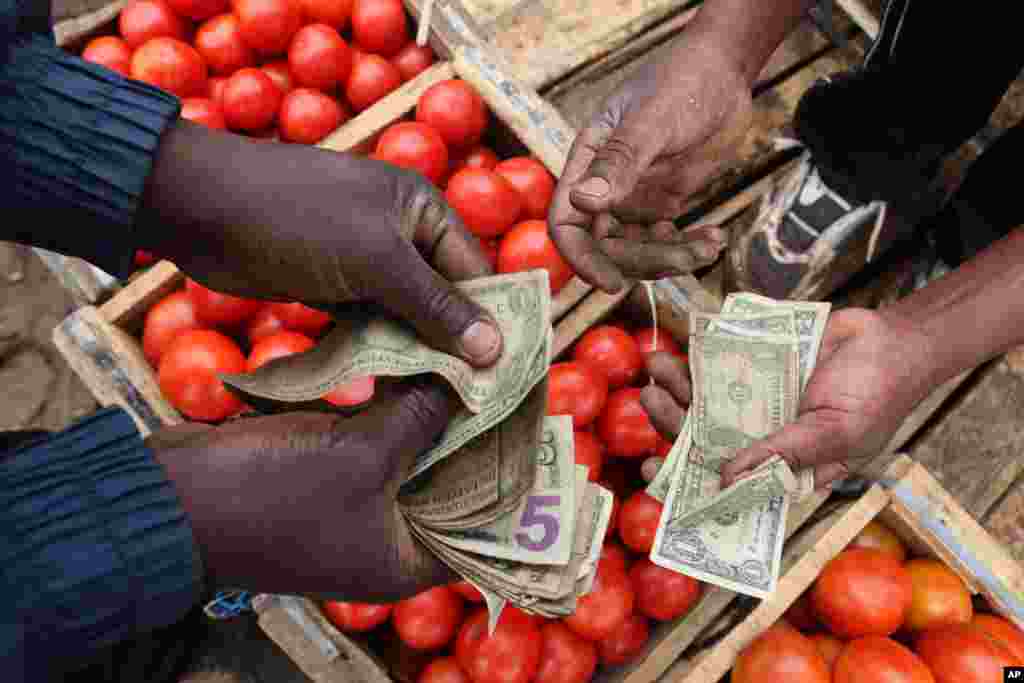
(930, 81)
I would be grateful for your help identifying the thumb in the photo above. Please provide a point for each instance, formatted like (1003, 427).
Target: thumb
(621, 155)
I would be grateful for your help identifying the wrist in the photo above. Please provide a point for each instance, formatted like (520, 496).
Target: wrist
(928, 365)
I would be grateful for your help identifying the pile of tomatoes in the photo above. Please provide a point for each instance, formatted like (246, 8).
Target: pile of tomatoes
(873, 616)
(294, 69)
(443, 631)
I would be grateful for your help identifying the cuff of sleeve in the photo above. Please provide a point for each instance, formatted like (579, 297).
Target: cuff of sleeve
(97, 545)
(81, 138)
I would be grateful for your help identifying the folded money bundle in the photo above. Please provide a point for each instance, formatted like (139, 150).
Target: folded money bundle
(499, 499)
(749, 366)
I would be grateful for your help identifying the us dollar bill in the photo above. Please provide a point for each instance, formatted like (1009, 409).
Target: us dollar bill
(658, 488)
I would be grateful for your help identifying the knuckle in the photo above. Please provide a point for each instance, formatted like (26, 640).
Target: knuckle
(423, 407)
(445, 305)
(616, 152)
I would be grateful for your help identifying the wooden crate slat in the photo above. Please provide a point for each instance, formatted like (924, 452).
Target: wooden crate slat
(128, 307)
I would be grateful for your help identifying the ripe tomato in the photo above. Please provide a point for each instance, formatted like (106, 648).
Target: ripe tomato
(527, 246)
(862, 592)
(203, 111)
(250, 100)
(638, 521)
(281, 74)
(829, 646)
(613, 520)
(612, 351)
(308, 116)
(602, 610)
(428, 621)
(486, 202)
(1001, 631)
(379, 26)
(781, 653)
(509, 655)
(624, 426)
(467, 590)
(880, 537)
(220, 43)
(111, 52)
(142, 20)
(216, 309)
(188, 370)
(625, 642)
(268, 25)
(264, 323)
(168, 318)
(661, 593)
(490, 248)
(663, 448)
(277, 346)
(412, 60)
(199, 10)
(644, 339)
(617, 557)
(576, 389)
(564, 656)
(143, 258)
(171, 65)
(456, 110)
(876, 659)
(962, 653)
(301, 318)
(443, 670)
(334, 13)
(478, 157)
(533, 181)
(801, 615)
(353, 393)
(215, 90)
(372, 78)
(319, 57)
(415, 146)
(590, 452)
(356, 616)
(938, 598)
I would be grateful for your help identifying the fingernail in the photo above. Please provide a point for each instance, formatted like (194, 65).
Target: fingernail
(595, 187)
(481, 341)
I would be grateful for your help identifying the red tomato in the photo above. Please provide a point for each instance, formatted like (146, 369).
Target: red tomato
(527, 246)
(644, 339)
(277, 346)
(319, 57)
(663, 448)
(301, 318)
(624, 426)
(486, 202)
(428, 621)
(216, 90)
(576, 389)
(443, 670)
(781, 653)
(250, 100)
(876, 659)
(880, 537)
(638, 521)
(612, 351)
(939, 596)
(142, 20)
(168, 318)
(353, 393)
(565, 657)
(478, 157)
(509, 655)
(618, 557)
(412, 60)
(372, 78)
(143, 258)
(203, 111)
(829, 646)
(216, 309)
(220, 43)
(602, 610)
(379, 26)
(661, 593)
(468, 591)
(171, 65)
(456, 111)
(188, 371)
(589, 452)
(613, 520)
(1003, 632)
(415, 146)
(533, 181)
(199, 10)
(801, 613)
(110, 52)
(624, 643)
(963, 654)
(334, 13)
(862, 592)
(308, 116)
(356, 616)
(268, 25)
(490, 248)
(281, 74)
(265, 323)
